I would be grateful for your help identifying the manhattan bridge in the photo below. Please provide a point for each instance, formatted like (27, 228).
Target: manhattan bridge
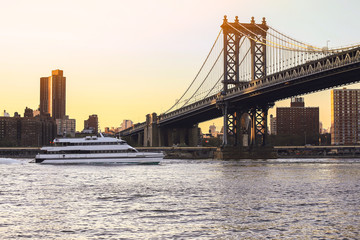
(248, 68)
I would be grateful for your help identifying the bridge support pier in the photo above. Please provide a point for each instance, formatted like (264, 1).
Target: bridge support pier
(182, 136)
(235, 126)
(258, 116)
(235, 138)
(140, 139)
(151, 138)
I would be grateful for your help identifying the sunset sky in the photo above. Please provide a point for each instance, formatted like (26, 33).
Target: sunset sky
(125, 59)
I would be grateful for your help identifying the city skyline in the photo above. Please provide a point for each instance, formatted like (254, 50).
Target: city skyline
(113, 72)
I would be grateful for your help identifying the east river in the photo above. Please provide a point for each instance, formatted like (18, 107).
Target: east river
(182, 199)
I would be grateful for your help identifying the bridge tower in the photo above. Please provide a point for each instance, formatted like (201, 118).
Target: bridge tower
(232, 33)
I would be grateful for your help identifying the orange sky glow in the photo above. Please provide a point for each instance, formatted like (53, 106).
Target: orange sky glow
(125, 59)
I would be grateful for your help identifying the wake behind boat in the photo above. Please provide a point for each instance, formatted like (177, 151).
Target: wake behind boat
(94, 150)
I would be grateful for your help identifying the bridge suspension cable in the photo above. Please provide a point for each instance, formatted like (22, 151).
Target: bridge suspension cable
(201, 68)
(212, 67)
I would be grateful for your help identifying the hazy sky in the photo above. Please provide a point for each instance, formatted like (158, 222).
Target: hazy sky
(125, 59)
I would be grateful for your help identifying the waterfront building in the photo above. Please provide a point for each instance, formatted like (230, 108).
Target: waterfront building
(30, 132)
(65, 126)
(298, 120)
(345, 116)
(9, 131)
(92, 123)
(53, 95)
(27, 131)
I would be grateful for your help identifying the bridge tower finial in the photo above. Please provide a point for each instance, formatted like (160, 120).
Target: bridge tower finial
(252, 20)
(263, 21)
(225, 19)
(236, 19)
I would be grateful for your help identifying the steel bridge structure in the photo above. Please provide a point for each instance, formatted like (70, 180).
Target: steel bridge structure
(249, 67)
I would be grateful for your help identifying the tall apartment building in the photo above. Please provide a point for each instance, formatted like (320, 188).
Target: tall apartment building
(297, 119)
(345, 116)
(53, 95)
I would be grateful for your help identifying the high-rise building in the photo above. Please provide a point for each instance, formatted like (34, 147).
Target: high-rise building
(53, 94)
(272, 125)
(212, 130)
(45, 95)
(345, 116)
(92, 123)
(297, 119)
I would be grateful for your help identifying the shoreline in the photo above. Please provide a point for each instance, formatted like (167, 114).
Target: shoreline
(198, 152)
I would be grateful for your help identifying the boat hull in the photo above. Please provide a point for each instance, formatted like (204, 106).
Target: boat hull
(145, 161)
(148, 158)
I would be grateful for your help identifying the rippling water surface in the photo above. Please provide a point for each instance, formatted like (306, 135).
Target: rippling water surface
(202, 199)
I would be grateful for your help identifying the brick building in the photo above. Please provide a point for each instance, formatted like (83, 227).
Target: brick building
(9, 127)
(92, 123)
(27, 131)
(297, 119)
(345, 116)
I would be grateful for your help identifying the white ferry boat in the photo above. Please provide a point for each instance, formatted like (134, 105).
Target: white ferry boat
(94, 150)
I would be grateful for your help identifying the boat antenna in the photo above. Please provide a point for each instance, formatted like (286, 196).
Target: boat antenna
(101, 135)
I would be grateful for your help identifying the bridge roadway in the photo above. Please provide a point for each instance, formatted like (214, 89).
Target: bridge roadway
(324, 73)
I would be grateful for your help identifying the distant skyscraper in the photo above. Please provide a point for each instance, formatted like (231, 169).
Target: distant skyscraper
(126, 124)
(53, 94)
(212, 130)
(345, 116)
(45, 95)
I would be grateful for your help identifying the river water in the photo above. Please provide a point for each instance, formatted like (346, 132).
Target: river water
(182, 199)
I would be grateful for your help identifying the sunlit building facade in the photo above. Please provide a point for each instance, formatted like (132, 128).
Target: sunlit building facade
(53, 95)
